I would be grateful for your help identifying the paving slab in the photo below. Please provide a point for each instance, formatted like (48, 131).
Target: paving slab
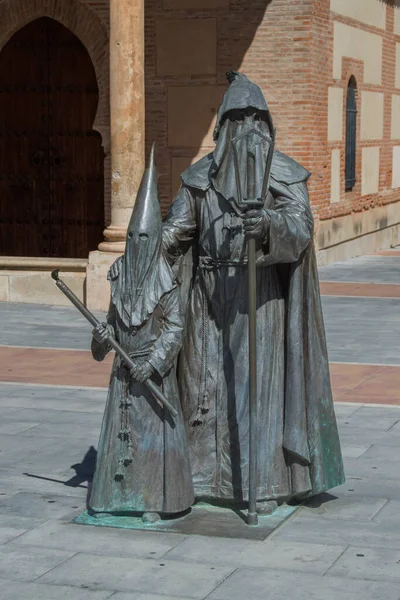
(40, 506)
(14, 397)
(355, 334)
(44, 326)
(273, 585)
(142, 575)
(376, 564)
(77, 404)
(367, 417)
(354, 451)
(311, 558)
(16, 590)
(23, 564)
(372, 468)
(356, 435)
(380, 453)
(141, 596)
(306, 528)
(343, 409)
(9, 533)
(13, 451)
(369, 487)
(389, 514)
(64, 430)
(63, 416)
(52, 392)
(14, 426)
(36, 482)
(17, 522)
(330, 506)
(10, 411)
(396, 428)
(369, 269)
(117, 542)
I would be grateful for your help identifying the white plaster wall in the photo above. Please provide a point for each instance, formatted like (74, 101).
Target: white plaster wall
(335, 176)
(397, 67)
(335, 114)
(395, 117)
(354, 43)
(397, 18)
(371, 116)
(371, 12)
(370, 171)
(396, 167)
(389, 237)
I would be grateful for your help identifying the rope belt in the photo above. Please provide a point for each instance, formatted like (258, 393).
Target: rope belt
(207, 263)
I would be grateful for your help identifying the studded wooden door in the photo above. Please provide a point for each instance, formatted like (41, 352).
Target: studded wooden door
(51, 161)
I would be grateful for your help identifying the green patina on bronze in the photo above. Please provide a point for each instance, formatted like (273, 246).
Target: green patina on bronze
(203, 519)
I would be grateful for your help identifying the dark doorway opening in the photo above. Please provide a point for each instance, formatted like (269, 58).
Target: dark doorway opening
(51, 159)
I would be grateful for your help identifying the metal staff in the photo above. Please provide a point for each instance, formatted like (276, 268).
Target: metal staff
(251, 202)
(159, 396)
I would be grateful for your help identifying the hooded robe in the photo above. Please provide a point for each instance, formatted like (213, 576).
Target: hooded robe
(297, 439)
(142, 462)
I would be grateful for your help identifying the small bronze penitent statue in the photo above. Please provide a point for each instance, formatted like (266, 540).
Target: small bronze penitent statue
(142, 463)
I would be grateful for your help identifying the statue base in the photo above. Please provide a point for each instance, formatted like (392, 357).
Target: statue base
(202, 519)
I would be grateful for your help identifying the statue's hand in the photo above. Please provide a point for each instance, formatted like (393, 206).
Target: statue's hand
(142, 371)
(256, 223)
(116, 268)
(102, 333)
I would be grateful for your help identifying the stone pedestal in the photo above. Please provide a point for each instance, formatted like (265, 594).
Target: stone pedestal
(97, 285)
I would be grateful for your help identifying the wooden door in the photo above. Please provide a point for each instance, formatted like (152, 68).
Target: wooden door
(51, 161)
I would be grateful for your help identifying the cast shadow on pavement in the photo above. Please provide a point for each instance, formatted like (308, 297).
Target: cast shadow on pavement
(84, 472)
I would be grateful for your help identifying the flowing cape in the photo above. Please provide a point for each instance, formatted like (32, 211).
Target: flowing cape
(310, 429)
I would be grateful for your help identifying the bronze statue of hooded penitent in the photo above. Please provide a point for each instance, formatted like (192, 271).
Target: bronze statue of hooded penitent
(204, 235)
(142, 462)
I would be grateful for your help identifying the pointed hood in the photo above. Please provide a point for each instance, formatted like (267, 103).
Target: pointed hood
(241, 93)
(145, 275)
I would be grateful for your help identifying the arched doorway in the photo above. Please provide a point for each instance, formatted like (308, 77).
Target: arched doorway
(51, 160)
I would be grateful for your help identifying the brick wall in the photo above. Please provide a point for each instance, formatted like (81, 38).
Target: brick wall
(269, 41)
(286, 46)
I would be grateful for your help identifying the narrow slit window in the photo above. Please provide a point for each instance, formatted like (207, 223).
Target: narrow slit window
(351, 132)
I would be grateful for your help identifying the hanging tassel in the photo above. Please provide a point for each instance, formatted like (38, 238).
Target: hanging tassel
(119, 475)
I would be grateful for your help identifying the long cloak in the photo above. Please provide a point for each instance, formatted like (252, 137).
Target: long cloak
(158, 477)
(298, 445)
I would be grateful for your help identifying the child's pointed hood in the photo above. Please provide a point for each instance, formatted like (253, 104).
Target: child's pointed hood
(145, 276)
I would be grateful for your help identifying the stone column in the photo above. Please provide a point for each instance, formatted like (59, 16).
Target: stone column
(127, 115)
(127, 138)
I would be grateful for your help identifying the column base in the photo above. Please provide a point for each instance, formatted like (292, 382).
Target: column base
(97, 285)
(112, 247)
(114, 239)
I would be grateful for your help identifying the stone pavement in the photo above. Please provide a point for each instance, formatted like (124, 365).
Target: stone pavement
(344, 545)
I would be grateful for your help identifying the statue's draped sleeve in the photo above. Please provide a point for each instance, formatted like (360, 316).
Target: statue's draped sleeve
(166, 348)
(180, 225)
(291, 224)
